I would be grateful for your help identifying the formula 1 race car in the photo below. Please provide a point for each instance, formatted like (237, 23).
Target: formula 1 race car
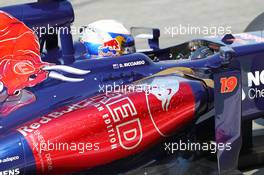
(136, 110)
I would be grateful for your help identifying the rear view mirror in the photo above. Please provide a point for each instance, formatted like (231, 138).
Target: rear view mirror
(226, 53)
(150, 34)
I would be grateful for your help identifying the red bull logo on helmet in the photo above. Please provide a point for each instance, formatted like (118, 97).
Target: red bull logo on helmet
(112, 47)
(112, 44)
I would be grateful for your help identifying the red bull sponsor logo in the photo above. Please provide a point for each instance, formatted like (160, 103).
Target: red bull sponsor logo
(25, 130)
(123, 124)
(112, 44)
(164, 89)
(112, 47)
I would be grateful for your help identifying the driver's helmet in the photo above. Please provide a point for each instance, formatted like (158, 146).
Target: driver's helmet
(105, 38)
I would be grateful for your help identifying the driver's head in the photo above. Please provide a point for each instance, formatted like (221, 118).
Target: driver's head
(105, 38)
(194, 45)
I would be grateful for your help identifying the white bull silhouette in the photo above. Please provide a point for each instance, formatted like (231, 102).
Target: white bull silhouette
(163, 88)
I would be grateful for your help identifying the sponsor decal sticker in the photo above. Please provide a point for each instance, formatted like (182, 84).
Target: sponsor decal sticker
(129, 64)
(10, 172)
(228, 84)
(25, 130)
(127, 134)
(9, 159)
(255, 84)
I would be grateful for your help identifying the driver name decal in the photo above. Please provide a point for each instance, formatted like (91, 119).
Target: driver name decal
(129, 64)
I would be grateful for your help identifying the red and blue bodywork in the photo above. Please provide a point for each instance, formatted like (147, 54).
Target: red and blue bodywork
(120, 125)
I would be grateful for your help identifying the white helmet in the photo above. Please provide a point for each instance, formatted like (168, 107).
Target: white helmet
(107, 38)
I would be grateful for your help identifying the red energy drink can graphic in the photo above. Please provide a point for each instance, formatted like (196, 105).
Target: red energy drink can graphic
(109, 126)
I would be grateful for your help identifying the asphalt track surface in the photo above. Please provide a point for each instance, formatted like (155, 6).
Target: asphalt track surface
(168, 14)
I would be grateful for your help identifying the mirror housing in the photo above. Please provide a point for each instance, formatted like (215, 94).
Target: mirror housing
(151, 34)
(226, 54)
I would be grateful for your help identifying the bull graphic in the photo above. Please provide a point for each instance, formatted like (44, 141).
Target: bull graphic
(20, 62)
(112, 44)
(164, 88)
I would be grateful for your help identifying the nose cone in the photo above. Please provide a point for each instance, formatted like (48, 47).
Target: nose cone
(13, 149)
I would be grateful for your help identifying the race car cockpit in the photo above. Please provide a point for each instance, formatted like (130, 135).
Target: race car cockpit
(192, 50)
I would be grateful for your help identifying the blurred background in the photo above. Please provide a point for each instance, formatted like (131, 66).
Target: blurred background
(162, 14)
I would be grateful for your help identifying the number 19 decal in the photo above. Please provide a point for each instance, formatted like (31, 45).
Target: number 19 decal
(228, 84)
